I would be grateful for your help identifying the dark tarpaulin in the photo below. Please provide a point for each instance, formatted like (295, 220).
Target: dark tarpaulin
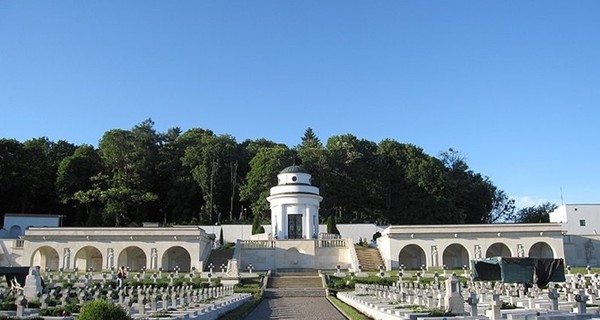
(518, 270)
(548, 270)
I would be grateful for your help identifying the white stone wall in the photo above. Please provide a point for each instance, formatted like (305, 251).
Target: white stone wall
(295, 254)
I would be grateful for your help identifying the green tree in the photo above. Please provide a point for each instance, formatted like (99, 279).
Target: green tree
(349, 193)
(211, 164)
(425, 193)
(181, 197)
(391, 184)
(12, 169)
(75, 180)
(536, 214)
(313, 158)
(265, 166)
(129, 180)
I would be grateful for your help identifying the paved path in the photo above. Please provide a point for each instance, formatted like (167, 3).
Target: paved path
(295, 308)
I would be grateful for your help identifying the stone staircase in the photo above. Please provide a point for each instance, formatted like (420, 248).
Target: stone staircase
(294, 284)
(218, 257)
(369, 258)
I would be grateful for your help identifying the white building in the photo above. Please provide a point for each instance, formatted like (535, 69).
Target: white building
(15, 224)
(294, 205)
(581, 225)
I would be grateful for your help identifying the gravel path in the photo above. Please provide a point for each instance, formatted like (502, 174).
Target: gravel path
(295, 308)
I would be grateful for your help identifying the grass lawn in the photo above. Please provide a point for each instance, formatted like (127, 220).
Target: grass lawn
(348, 310)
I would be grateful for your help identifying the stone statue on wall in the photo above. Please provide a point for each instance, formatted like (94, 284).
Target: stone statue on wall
(520, 251)
(434, 256)
(589, 250)
(477, 251)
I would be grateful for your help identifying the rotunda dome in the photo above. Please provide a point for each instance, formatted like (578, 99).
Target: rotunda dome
(294, 169)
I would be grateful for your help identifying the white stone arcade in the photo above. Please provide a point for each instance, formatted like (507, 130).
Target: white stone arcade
(294, 205)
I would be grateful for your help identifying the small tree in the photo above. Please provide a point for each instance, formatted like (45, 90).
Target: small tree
(256, 226)
(331, 226)
(102, 310)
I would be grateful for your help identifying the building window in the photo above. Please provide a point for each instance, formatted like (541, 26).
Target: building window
(582, 223)
(294, 178)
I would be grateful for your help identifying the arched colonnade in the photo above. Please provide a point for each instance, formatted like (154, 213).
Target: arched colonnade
(135, 258)
(181, 248)
(454, 246)
(456, 255)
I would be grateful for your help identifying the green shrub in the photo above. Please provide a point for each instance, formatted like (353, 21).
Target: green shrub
(102, 310)
(60, 311)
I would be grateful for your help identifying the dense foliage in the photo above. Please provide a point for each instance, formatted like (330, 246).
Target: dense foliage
(198, 177)
(102, 310)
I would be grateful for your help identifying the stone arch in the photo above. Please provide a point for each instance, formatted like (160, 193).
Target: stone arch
(412, 256)
(176, 256)
(15, 231)
(455, 256)
(132, 257)
(45, 257)
(541, 250)
(88, 257)
(498, 249)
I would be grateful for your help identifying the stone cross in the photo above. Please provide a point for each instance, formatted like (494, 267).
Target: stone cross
(165, 296)
(581, 300)
(153, 302)
(44, 301)
(64, 299)
(21, 302)
(496, 304)
(141, 304)
(472, 301)
(174, 299)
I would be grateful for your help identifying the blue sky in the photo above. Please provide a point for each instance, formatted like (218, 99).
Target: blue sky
(513, 85)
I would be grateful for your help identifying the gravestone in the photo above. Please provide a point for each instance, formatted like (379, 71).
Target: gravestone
(33, 284)
(453, 299)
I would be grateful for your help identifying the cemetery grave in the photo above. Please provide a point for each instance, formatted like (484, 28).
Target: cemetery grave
(410, 297)
(144, 295)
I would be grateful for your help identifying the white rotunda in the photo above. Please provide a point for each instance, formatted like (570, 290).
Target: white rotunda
(294, 205)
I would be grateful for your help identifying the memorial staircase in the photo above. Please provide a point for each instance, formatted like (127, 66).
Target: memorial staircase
(295, 284)
(217, 258)
(369, 258)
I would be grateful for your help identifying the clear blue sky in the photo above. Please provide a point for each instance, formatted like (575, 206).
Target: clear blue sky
(513, 85)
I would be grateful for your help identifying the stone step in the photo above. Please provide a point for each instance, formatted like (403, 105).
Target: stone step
(305, 282)
(369, 258)
(307, 292)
